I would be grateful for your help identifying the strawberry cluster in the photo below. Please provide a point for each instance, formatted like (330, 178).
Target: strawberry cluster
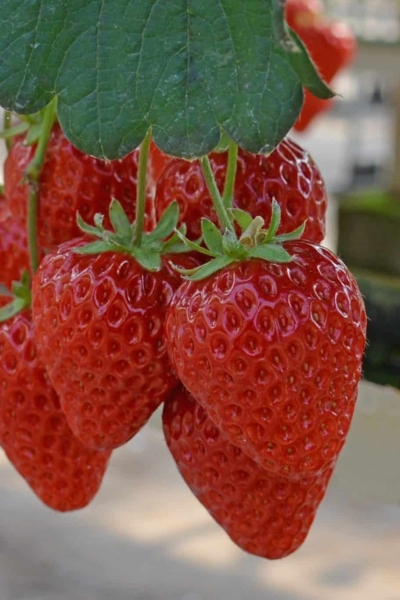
(251, 338)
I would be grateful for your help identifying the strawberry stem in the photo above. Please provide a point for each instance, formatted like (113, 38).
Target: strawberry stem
(141, 195)
(215, 195)
(229, 188)
(6, 126)
(33, 175)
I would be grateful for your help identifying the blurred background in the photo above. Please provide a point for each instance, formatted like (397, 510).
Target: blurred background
(145, 537)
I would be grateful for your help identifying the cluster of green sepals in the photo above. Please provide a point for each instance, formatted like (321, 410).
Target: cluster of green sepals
(164, 239)
(254, 241)
(20, 297)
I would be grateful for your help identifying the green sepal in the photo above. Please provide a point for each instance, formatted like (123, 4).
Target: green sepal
(307, 70)
(98, 221)
(33, 134)
(13, 308)
(97, 247)
(119, 220)
(232, 247)
(85, 227)
(275, 221)
(193, 245)
(270, 252)
(167, 223)
(21, 297)
(212, 236)
(13, 131)
(241, 217)
(293, 235)
(213, 266)
(151, 261)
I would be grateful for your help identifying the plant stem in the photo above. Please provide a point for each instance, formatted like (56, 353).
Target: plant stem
(141, 195)
(7, 125)
(32, 174)
(215, 195)
(229, 188)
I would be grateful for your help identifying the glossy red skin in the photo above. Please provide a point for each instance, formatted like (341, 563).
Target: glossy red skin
(289, 175)
(14, 254)
(99, 328)
(267, 515)
(33, 429)
(273, 353)
(70, 182)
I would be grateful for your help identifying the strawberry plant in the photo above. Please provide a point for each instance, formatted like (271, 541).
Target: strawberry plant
(125, 114)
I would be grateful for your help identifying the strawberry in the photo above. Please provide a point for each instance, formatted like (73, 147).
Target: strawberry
(33, 429)
(295, 9)
(99, 328)
(331, 45)
(289, 175)
(264, 514)
(70, 182)
(14, 255)
(273, 353)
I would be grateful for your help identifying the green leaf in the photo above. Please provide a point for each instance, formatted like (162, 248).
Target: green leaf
(188, 69)
(215, 265)
(271, 252)
(307, 70)
(167, 223)
(293, 235)
(275, 221)
(212, 236)
(241, 217)
(119, 220)
(149, 260)
(12, 131)
(12, 309)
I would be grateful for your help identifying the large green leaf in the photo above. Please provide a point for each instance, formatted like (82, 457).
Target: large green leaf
(188, 68)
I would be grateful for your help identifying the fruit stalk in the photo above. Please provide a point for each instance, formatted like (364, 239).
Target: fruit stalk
(141, 188)
(229, 187)
(215, 195)
(33, 175)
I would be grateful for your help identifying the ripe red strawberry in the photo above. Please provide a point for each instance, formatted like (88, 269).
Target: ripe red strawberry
(99, 327)
(33, 429)
(289, 175)
(273, 353)
(331, 45)
(70, 182)
(14, 255)
(264, 514)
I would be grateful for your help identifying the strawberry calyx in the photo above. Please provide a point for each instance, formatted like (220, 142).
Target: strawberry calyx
(147, 250)
(20, 297)
(255, 241)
